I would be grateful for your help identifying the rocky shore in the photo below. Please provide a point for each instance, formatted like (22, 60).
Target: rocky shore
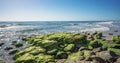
(68, 48)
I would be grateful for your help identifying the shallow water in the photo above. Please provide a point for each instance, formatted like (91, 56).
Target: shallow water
(15, 31)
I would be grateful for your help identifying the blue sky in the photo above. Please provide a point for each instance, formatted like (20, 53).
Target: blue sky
(59, 10)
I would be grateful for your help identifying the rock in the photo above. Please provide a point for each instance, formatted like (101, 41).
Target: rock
(115, 30)
(108, 56)
(83, 48)
(90, 37)
(8, 48)
(26, 58)
(13, 51)
(70, 61)
(61, 61)
(61, 55)
(97, 49)
(1, 43)
(110, 33)
(17, 44)
(118, 60)
(98, 60)
(69, 47)
(88, 58)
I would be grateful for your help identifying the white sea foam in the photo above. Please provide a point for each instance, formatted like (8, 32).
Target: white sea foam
(101, 29)
(110, 22)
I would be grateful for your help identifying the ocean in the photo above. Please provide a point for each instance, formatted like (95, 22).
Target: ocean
(15, 31)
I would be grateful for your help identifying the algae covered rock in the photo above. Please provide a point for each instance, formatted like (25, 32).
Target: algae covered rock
(41, 58)
(26, 58)
(69, 47)
(94, 44)
(116, 39)
(61, 54)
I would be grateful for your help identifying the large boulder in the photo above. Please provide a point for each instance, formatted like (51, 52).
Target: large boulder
(108, 56)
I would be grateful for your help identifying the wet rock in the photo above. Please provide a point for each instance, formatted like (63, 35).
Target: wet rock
(1, 43)
(61, 61)
(13, 51)
(108, 56)
(8, 48)
(118, 60)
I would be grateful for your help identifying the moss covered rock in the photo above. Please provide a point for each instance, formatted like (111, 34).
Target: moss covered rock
(26, 58)
(49, 48)
(116, 39)
(69, 47)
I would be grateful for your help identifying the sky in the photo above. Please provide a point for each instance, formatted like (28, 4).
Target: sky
(59, 10)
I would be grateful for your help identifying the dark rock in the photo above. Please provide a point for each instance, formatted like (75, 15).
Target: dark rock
(108, 56)
(13, 51)
(1, 43)
(8, 48)
(61, 61)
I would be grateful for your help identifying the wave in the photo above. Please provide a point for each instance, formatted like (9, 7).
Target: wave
(100, 29)
(104, 23)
